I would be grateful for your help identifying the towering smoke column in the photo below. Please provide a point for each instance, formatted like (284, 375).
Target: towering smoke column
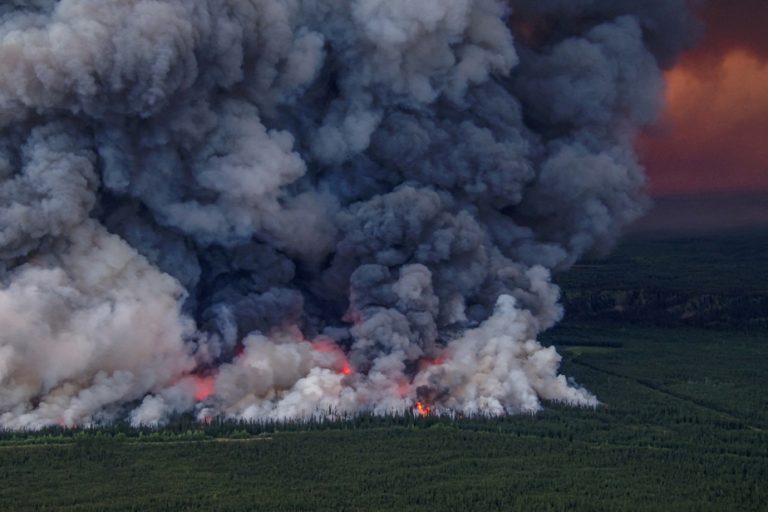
(283, 208)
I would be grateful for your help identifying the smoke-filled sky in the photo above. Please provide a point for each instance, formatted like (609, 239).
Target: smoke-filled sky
(714, 135)
(268, 209)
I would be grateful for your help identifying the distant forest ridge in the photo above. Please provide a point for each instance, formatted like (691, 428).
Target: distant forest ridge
(714, 281)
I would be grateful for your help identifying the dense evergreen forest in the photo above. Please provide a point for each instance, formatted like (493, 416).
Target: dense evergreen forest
(718, 282)
(683, 424)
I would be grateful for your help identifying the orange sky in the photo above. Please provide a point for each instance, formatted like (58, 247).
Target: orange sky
(714, 135)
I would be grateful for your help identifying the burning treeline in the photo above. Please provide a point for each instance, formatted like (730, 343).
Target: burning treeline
(268, 209)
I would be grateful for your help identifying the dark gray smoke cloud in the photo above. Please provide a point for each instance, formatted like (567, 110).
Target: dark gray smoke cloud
(280, 208)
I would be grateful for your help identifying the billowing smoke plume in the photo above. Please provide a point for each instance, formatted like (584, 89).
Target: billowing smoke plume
(282, 208)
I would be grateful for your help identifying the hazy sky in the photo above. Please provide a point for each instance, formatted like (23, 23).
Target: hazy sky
(714, 136)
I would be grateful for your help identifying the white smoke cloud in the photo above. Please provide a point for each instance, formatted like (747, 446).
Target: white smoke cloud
(89, 326)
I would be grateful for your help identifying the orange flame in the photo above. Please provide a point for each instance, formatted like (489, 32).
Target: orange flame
(423, 409)
(327, 346)
(204, 387)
